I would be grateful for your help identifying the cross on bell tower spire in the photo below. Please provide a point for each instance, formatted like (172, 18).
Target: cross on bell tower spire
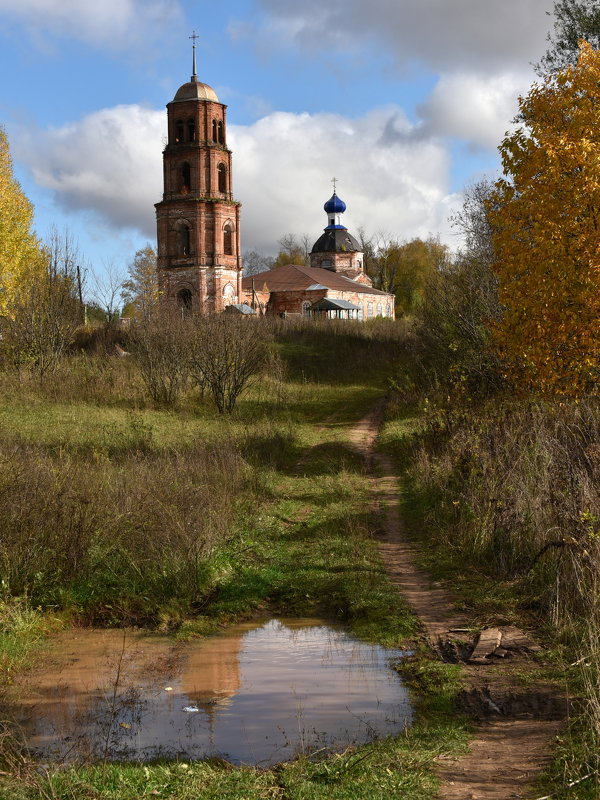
(193, 37)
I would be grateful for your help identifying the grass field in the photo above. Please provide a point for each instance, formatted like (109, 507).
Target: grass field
(185, 521)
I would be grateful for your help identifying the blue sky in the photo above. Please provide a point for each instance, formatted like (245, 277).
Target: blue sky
(404, 101)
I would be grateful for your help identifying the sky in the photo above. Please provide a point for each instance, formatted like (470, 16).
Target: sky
(404, 101)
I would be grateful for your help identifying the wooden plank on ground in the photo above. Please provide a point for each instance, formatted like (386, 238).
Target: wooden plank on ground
(489, 640)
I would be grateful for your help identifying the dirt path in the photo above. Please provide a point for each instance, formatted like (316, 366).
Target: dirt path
(515, 726)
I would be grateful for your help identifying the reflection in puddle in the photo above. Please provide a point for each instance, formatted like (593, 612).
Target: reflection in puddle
(258, 694)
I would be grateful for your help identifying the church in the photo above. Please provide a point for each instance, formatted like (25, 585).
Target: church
(198, 232)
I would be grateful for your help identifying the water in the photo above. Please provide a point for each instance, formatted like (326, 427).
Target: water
(258, 694)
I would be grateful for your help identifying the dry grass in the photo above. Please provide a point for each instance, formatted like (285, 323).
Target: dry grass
(121, 536)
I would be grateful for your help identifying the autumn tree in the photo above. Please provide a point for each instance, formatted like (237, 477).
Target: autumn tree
(20, 253)
(573, 20)
(140, 290)
(545, 216)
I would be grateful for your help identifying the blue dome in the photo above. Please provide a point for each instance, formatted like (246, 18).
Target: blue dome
(334, 205)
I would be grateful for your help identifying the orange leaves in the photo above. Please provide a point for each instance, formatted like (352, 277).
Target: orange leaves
(546, 217)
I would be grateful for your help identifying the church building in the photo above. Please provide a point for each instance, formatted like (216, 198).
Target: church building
(198, 221)
(198, 231)
(334, 285)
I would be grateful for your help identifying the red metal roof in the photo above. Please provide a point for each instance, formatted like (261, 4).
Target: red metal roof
(295, 277)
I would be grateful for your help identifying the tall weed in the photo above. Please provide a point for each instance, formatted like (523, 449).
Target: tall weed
(518, 488)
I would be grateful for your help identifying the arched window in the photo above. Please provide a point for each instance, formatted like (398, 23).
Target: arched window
(228, 240)
(184, 240)
(184, 299)
(179, 131)
(228, 292)
(191, 126)
(222, 178)
(306, 308)
(186, 178)
(378, 309)
(220, 134)
(214, 130)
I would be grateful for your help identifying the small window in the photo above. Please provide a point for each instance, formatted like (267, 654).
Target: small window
(214, 130)
(191, 126)
(326, 262)
(184, 299)
(220, 133)
(227, 240)
(179, 131)
(184, 240)
(388, 310)
(222, 178)
(186, 178)
(359, 263)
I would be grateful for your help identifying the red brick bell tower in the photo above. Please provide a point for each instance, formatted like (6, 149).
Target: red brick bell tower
(198, 221)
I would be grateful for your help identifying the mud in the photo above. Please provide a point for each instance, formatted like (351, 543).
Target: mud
(259, 693)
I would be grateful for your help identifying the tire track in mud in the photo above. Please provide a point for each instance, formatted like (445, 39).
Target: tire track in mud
(514, 731)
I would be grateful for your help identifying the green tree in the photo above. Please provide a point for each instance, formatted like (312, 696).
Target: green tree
(293, 250)
(545, 216)
(404, 269)
(574, 20)
(21, 257)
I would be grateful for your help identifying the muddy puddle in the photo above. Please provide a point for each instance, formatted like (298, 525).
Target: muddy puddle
(261, 693)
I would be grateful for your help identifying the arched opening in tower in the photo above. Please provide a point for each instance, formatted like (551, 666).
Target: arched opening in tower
(179, 131)
(228, 240)
(191, 130)
(222, 173)
(186, 178)
(184, 240)
(184, 299)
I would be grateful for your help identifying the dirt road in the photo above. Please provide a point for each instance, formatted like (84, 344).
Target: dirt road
(515, 726)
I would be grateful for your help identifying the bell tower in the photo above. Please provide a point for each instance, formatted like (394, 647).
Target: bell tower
(198, 221)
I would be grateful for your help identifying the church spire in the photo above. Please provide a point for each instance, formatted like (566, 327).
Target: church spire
(193, 37)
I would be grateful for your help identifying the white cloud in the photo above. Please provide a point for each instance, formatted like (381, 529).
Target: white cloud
(116, 23)
(475, 109)
(284, 164)
(109, 163)
(481, 35)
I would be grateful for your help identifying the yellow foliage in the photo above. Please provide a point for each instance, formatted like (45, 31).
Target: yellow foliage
(545, 216)
(21, 259)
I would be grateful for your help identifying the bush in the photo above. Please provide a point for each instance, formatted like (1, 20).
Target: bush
(226, 354)
(161, 343)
